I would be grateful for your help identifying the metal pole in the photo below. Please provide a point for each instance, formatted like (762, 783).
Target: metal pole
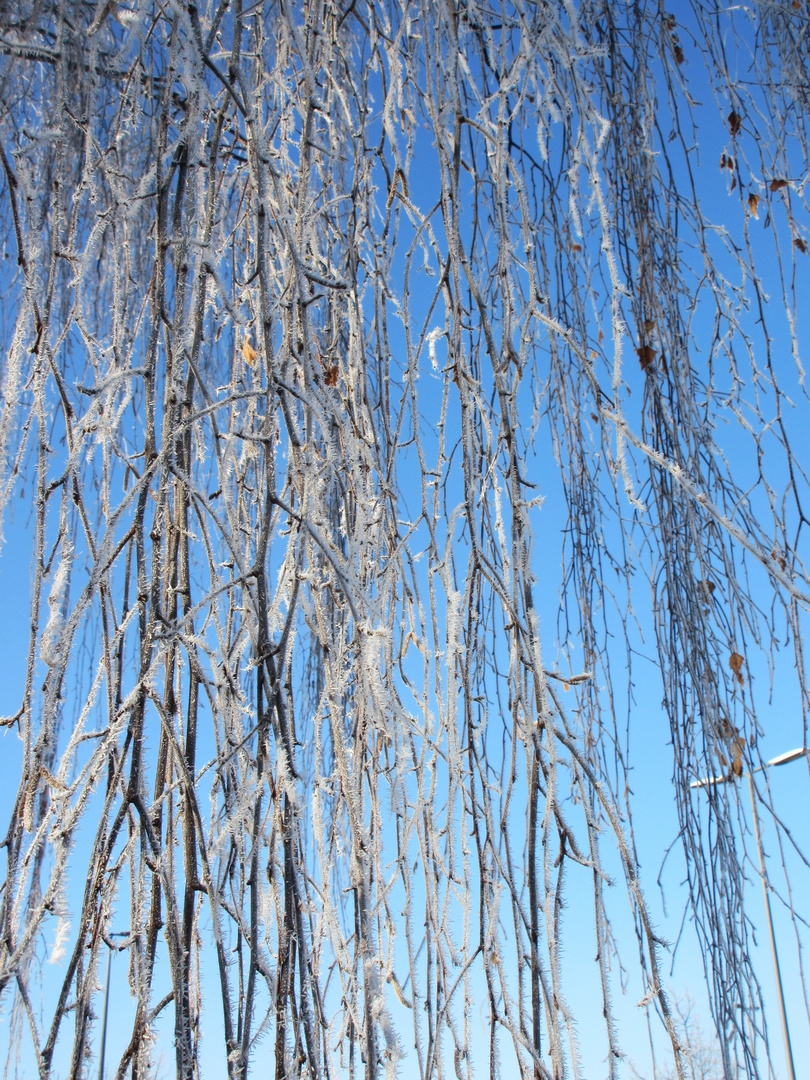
(709, 781)
(774, 954)
(104, 1018)
(110, 947)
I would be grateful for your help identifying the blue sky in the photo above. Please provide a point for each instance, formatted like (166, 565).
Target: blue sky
(641, 728)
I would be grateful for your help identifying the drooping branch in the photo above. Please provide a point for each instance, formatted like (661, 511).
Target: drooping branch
(327, 323)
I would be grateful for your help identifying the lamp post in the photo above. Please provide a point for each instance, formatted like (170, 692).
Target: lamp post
(106, 1004)
(710, 781)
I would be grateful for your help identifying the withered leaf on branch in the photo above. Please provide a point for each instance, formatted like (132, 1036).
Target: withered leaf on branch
(646, 356)
(734, 122)
(736, 761)
(753, 203)
(775, 184)
(735, 662)
(248, 353)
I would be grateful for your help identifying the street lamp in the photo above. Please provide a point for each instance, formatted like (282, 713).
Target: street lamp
(709, 781)
(118, 933)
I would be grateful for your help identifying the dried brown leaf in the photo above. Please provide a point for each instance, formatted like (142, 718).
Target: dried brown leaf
(734, 122)
(775, 184)
(735, 662)
(248, 353)
(736, 761)
(753, 203)
(646, 356)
